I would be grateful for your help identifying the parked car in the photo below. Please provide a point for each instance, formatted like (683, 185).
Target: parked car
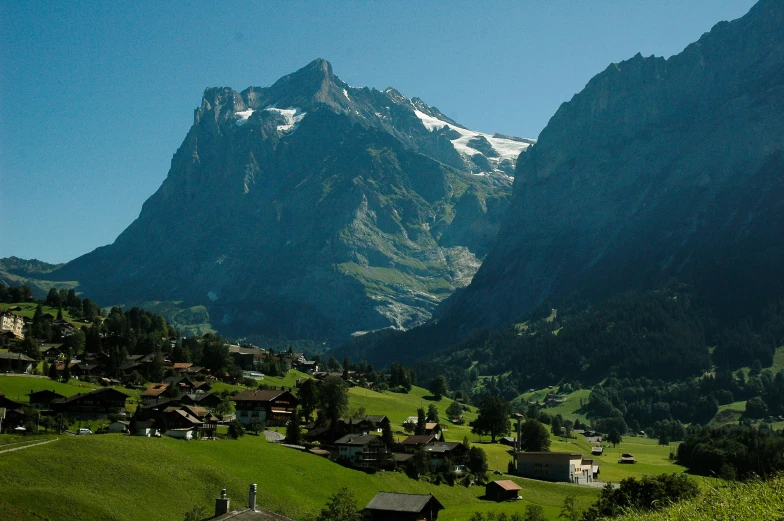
(83, 432)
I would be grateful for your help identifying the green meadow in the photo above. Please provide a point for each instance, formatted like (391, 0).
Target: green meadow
(114, 476)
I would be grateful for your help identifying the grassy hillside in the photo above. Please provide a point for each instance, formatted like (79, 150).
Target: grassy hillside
(116, 475)
(17, 387)
(754, 501)
(28, 310)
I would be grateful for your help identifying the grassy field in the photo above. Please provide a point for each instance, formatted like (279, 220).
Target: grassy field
(16, 388)
(753, 501)
(28, 310)
(116, 475)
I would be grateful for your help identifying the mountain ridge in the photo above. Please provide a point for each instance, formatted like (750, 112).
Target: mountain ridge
(311, 209)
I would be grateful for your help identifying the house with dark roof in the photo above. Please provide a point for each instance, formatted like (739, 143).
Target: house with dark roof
(41, 399)
(153, 392)
(270, 406)
(368, 451)
(15, 363)
(201, 399)
(392, 506)
(251, 512)
(502, 490)
(367, 423)
(13, 413)
(96, 403)
(446, 452)
(419, 441)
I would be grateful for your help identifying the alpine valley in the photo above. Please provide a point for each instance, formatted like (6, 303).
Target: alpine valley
(310, 209)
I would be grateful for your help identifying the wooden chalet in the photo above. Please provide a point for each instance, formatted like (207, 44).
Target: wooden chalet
(201, 399)
(15, 363)
(418, 442)
(153, 393)
(13, 413)
(270, 406)
(392, 506)
(42, 399)
(368, 451)
(96, 403)
(442, 453)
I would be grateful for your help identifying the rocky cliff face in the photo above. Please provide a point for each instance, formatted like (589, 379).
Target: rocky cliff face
(311, 209)
(658, 170)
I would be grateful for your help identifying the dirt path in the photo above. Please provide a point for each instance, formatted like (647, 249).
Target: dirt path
(28, 446)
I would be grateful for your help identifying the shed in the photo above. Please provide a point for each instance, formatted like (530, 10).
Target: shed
(502, 490)
(392, 506)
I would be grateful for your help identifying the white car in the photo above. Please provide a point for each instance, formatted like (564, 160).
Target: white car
(82, 432)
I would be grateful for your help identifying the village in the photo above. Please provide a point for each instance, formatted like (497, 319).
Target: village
(313, 414)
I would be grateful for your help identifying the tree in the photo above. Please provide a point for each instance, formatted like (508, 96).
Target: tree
(308, 398)
(439, 386)
(256, 426)
(157, 368)
(236, 429)
(569, 509)
(53, 371)
(556, 424)
(756, 408)
(493, 418)
(432, 413)
(293, 431)
(476, 460)
(386, 434)
(614, 437)
(341, 506)
(534, 513)
(66, 371)
(455, 410)
(421, 422)
(535, 437)
(409, 427)
(645, 493)
(333, 398)
(53, 298)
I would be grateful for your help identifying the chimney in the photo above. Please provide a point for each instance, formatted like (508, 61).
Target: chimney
(221, 504)
(252, 497)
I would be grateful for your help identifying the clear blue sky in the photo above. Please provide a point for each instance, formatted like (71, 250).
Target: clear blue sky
(96, 97)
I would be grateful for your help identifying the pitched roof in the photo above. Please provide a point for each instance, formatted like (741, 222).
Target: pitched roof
(80, 396)
(353, 439)
(257, 395)
(395, 502)
(418, 440)
(15, 356)
(506, 484)
(446, 446)
(155, 390)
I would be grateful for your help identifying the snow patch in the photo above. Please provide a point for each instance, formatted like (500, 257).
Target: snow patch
(507, 149)
(242, 116)
(292, 116)
(345, 93)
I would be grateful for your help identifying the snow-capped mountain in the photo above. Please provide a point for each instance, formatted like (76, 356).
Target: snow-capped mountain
(311, 208)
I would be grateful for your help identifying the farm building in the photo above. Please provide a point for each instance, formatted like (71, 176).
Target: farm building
(390, 506)
(502, 490)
